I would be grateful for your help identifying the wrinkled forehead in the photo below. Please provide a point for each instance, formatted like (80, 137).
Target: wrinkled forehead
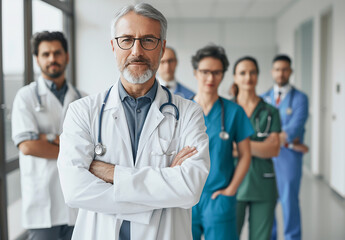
(133, 24)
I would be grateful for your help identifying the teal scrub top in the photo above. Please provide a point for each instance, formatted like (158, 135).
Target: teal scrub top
(238, 126)
(259, 183)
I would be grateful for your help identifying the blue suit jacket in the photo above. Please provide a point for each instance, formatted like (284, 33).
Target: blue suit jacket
(183, 91)
(293, 124)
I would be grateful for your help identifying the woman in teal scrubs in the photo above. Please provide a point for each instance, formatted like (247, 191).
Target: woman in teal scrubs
(258, 191)
(215, 214)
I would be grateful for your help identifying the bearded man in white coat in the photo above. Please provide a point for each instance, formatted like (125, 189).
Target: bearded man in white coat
(134, 158)
(38, 113)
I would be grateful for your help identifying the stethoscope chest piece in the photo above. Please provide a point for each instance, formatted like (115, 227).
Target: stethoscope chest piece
(39, 108)
(224, 135)
(288, 111)
(100, 149)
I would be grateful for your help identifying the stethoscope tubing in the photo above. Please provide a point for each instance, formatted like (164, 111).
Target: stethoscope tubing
(169, 103)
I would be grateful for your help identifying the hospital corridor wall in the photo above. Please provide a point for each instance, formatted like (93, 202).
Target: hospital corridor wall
(286, 25)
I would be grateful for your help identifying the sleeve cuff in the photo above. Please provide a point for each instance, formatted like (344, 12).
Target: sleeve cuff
(25, 137)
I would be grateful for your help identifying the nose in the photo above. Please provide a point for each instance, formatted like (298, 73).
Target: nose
(137, 49)
(210, 76)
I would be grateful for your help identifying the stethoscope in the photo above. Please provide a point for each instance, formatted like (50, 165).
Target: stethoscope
(289, 109)
(40, 107)
(265, 133)
(223, 134)
(100, 149)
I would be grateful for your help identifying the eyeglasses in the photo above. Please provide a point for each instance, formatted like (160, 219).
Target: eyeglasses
(147, 43)
(206, 73)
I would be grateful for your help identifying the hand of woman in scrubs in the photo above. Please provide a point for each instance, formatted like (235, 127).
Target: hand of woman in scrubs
(226, 192)
(182, 155)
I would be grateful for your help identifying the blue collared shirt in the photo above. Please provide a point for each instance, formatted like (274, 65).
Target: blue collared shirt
(136, 111)
(59, 94)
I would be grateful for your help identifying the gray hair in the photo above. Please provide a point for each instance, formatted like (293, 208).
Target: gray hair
(143, 9)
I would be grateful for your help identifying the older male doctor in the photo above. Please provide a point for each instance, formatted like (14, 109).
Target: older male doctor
(134, 158)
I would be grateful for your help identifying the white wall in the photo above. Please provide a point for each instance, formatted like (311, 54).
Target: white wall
(286, 25)
(238, 37)
(96, 67)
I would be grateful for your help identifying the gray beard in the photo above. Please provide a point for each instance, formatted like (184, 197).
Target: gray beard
(137, 79)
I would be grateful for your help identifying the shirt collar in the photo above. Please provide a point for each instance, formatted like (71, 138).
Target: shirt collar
(52, 86)
(151, 94)
(283, 90)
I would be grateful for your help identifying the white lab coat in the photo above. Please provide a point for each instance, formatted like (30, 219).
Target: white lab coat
(155, 198)
(42, 199)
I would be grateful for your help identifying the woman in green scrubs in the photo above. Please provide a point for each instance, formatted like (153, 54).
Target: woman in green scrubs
(258, 191)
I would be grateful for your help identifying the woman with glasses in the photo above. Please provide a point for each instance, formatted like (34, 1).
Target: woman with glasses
(258, 191)
(226, 122)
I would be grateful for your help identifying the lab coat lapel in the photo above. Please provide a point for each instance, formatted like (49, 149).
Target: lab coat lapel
(152, 121)
(114, 105)
(71, 95)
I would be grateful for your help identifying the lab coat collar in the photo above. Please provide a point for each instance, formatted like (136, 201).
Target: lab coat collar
(70, 95)
(153, 118)
(42, 86)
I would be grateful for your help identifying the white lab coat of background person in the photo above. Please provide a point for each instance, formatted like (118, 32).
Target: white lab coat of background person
(155, 198)
(43, 204)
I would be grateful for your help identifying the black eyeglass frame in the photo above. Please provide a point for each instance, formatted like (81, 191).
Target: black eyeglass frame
(140, 40)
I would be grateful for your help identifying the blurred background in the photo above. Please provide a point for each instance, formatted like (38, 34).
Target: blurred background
(312, 32)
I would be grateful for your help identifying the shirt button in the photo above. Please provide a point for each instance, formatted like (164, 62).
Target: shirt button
(138, 110)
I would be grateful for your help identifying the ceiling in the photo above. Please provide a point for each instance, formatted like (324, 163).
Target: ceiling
(241, 9)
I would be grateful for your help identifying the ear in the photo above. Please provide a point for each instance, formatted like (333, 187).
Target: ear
(164, 42)
(112, 44)
(194, 72)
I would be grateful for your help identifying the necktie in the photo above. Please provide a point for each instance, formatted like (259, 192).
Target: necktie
(278, 98)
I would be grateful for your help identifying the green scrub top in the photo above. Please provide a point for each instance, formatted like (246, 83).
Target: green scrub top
(260, 184)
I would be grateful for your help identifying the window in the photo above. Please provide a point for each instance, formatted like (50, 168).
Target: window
(19, 19)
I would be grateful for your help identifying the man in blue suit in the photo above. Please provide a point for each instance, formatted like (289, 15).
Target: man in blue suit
(166, 73)
(293, 108)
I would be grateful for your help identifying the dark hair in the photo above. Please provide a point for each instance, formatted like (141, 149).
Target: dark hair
(282, 57)
(247, 58)
(213, 51)
(39, 37)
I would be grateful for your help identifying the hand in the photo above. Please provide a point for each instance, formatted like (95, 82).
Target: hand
(102, 170)
(282, 138)
(226, 192)
(182, 155)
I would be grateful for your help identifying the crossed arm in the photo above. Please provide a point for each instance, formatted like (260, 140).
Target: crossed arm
(105, 171)
(41, 147)
(86, 182)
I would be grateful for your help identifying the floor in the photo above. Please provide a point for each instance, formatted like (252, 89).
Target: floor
(323, 212)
